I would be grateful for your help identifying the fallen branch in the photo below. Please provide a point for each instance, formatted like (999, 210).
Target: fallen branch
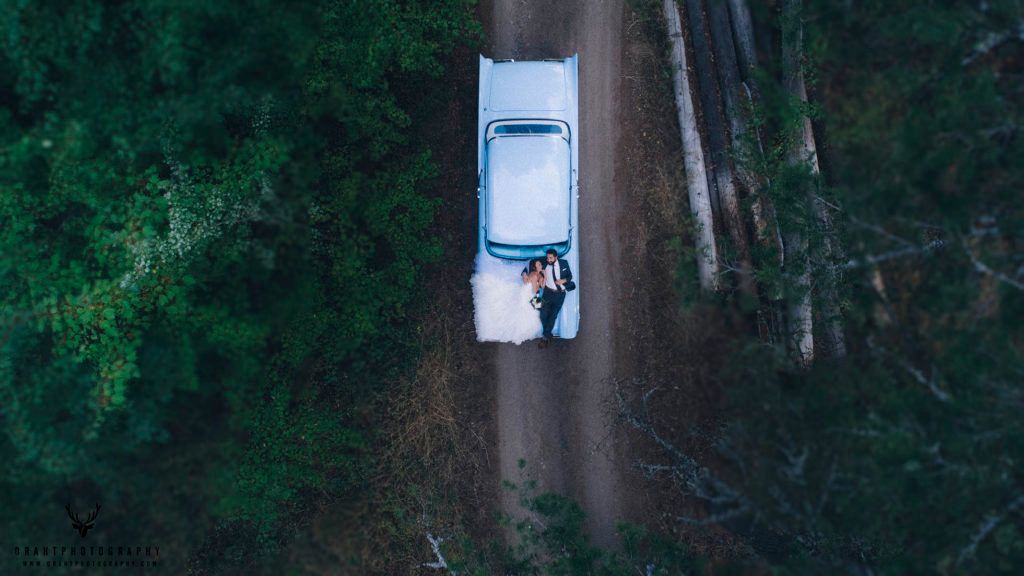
(880, 231)
(435, 545)
(691, 478)
(714, 518)
(914, 373)
(939, 393)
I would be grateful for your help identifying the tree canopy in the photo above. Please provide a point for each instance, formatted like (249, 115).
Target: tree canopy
(212, 219)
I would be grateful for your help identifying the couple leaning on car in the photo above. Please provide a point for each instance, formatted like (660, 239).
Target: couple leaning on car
(550, 278)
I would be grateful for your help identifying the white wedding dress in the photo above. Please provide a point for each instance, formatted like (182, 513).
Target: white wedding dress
(502, 309)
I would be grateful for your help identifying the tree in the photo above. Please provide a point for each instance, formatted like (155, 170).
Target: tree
(214, 218)
(890, 130)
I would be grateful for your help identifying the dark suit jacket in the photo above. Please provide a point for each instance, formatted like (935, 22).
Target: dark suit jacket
(564, 272)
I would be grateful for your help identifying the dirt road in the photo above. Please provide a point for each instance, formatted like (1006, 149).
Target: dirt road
(552, 407)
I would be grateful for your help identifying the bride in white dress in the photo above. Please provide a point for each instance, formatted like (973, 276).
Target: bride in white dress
(503, 312)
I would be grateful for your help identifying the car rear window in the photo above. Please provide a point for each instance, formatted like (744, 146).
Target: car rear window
(528, 129)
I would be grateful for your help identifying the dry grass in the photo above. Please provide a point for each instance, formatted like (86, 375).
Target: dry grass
(422, 416)
(430, 448)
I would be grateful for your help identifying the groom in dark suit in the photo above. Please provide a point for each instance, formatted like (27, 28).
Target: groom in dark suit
(557, 280)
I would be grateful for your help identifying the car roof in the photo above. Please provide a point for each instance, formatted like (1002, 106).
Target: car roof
(528, 190)
(528, 86)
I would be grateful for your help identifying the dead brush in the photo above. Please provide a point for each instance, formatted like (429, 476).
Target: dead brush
(428, 451)
(422, 423)
(420, 460)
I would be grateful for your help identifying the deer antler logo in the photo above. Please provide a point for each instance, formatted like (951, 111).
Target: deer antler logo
(78, 524)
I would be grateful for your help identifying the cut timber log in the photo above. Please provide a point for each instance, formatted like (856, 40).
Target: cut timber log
(728, 73)
(738, 99)
(694, 25)
(693, 155)
(805, 150)
(743, 31)
(766, 226)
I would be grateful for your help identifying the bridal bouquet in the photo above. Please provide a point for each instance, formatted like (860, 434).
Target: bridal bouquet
(536, 302)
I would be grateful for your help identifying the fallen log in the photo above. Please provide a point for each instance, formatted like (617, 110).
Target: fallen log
(724, 53)
(743, 31)
(739, 99)
(766, 226)
(693, 155)
(694, 25)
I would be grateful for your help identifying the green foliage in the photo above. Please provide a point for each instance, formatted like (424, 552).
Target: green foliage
(775, 130)
(926, 149)
(863, 466)
(214, 218)
(552, 540)
(903, 457)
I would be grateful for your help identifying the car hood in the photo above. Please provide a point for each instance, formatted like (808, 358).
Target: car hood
(528, 190)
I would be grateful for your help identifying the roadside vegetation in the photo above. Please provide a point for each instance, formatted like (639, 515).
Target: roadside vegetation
(214, 219)
(225, 237)
(868, 416)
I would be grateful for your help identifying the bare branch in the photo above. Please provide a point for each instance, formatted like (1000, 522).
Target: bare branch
(714, 518)
(692, 478)
(992, 41)
(874, 259)
(879, 230)
(987, 525)
(983, 268)
(939, 393)
(440, 563)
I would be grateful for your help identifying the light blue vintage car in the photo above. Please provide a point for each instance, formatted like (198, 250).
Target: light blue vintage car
(527, 161)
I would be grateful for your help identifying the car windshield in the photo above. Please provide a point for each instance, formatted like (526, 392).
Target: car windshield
(528, 129)
(528, 190)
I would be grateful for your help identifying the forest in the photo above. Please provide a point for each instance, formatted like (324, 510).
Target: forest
(214, 215)
(228, 321)
(872, 425)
